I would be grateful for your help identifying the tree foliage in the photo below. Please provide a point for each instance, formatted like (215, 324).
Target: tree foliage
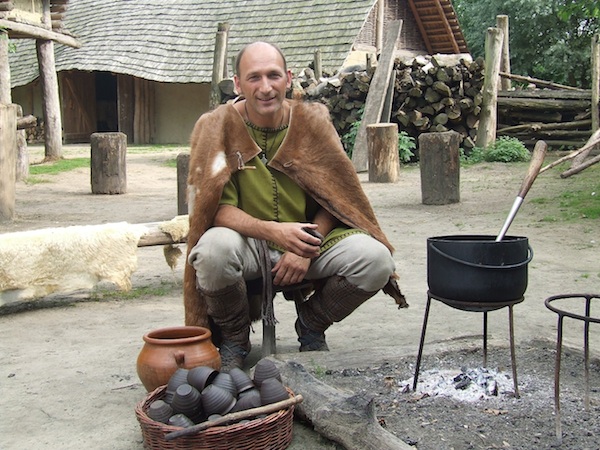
(549, 39)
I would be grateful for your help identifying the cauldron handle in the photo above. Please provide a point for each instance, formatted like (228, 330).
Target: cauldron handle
(484, 266)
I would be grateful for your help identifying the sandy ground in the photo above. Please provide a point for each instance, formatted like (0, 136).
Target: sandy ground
(68, 377)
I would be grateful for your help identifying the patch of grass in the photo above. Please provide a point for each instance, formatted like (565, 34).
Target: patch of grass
(61, 165)
(38, 171)
(171, 162)
(140, 149)
(573, 198)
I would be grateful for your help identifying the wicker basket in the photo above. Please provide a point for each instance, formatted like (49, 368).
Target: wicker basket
(271, 432)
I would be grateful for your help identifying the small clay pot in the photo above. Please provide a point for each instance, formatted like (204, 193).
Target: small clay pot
(224, 380)
(241, 379)
(248, 401)
(272, 391)
(180, 420)
(216, 400)
(187, 400)
(201, 376)
(178, 378)
(160, 411)
(167, 349)
(264, 369)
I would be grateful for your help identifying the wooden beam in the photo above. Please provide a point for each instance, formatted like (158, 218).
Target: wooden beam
(486, 133)
(595, 81)
(424, 34)
(376, 95)
(18, 30)
(502, 23)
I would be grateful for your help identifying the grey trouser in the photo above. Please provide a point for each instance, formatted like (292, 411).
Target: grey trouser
(222, 257)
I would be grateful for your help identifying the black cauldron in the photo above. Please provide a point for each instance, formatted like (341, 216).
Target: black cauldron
(476, 268)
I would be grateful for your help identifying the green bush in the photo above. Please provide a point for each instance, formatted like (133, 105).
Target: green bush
(505, 149)
(406, 143)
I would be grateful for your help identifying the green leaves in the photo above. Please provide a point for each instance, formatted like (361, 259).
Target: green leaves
(549, 39)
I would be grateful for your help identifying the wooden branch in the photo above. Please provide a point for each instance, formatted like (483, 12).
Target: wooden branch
(26, 122)
(543, 104)
(595, 137)
(540, 126)
(585, 165)
(38, 33)
(537, 126)
(235, 417)
(590, 144)
(346, 418)
(538, 82)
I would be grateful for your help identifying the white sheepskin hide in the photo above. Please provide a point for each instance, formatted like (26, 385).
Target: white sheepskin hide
(39, 262)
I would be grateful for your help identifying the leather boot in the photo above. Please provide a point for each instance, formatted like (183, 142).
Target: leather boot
(333, 303)
(228, 309)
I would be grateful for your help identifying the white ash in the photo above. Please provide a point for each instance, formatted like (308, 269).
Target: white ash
(466, 384)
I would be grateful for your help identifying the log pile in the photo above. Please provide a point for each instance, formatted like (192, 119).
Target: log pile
(560, 117)
(431, 93)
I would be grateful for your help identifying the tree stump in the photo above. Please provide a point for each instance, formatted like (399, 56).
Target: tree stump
(439, 160)
(183, 168)
(384, 162)
(108, 164)
(8, 160)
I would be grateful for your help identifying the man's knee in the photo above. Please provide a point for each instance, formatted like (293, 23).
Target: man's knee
(216, 257)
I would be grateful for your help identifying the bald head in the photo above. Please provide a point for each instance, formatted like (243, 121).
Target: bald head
(258, 46)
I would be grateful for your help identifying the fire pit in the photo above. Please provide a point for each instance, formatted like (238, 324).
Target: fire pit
(477, 273)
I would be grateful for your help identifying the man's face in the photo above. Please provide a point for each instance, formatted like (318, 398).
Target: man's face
(263, 81)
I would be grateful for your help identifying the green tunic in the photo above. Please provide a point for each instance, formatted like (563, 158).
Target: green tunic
(268, 194)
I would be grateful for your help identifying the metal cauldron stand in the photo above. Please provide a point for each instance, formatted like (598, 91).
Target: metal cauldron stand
(483, 307)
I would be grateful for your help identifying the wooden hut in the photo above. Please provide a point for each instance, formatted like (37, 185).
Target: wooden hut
(145, 66)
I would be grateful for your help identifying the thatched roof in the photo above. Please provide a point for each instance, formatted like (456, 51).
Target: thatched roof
(174, 41)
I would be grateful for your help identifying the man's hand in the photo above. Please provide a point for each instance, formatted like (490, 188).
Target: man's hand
(290, 269)
(296, 238)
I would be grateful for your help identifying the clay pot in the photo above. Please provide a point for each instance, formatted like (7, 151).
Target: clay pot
(272, 391)
(160, 411)
(265, 369)
(225, 381)
(167, 349)
(216, 400)
(241, 379)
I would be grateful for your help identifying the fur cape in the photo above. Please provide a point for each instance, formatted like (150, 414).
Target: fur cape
(311, 154)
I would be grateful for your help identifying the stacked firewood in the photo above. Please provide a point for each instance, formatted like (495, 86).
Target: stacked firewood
(560, 117)
(431, 93)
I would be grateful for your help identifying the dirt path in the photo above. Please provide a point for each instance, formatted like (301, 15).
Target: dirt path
(68, 376)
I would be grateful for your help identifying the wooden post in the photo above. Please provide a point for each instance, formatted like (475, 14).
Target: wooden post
(580, 158)
(380, 25)
(384, 161)
(502, 23)
(108, 163)
(8, 160)
(51, 100)
(439, 160)
(22, 165)
(5, 96)
(376, 95)
(318, 65)
(486, 134)
(219, 63)
(595, 82)
(183, 168)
